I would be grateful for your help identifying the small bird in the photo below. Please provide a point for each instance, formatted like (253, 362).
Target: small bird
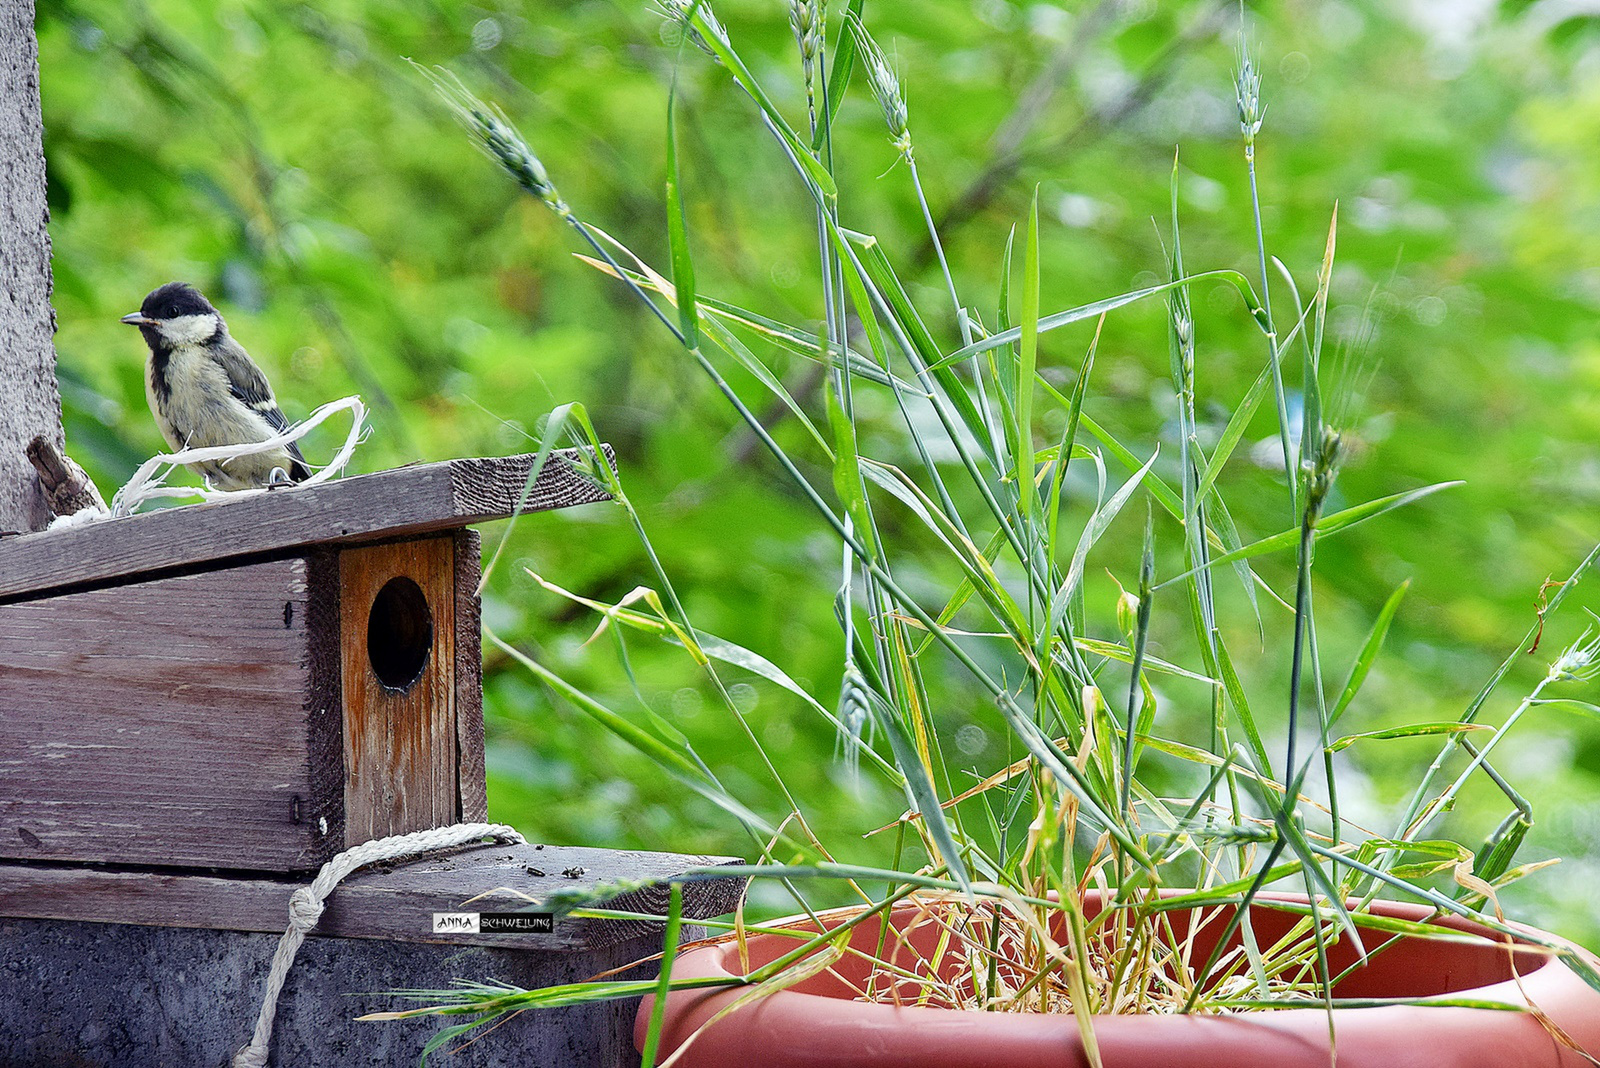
(204, 390)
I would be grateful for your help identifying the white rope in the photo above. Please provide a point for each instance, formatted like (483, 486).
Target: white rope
(305, 908)
(147, 483)
(82, 517)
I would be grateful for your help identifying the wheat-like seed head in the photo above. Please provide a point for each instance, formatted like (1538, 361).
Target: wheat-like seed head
(885, 83)
(1323, 466)
(681, 13)
(1247, 91)
(1580, 661)
(806, 20)
(495, 135)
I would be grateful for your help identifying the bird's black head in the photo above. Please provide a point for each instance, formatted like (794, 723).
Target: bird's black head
(173, 300)
(175, 315)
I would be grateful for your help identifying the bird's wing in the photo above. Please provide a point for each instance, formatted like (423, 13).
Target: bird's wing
(246, 382)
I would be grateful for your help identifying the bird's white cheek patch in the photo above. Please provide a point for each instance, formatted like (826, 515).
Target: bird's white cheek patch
(189, 329)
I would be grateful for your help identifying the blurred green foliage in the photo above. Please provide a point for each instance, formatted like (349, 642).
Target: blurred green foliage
(285, 158)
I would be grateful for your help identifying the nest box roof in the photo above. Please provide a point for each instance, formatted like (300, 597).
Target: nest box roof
(386, 504)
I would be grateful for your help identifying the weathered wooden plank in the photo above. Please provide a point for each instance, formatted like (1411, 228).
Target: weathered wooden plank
(407, 500)
(396, 904)
(164, 723)
(470, 771)
(323, 703)
(397, 645)
(108, 995)
(29, 402)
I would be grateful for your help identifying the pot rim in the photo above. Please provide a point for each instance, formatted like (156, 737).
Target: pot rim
(811, 1024)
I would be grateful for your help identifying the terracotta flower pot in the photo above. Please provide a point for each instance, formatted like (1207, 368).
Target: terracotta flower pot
(816, 1023)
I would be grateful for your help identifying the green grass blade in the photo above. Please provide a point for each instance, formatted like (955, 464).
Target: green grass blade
(740, 657)
(1369, 652)
(725, 340)
(658, 1011)
(1096, 806)
(1223, 530)
(1003, 302)
(1411, 730)
(920, 788)
(1529, 640)
(1576, 960)
(964, 592)
(844, 60)
(1092, 532)
(1134, 723)
(1181, 825)
(1164, 494)
(1291, 831)
(1059, 319)
(1491, 862)
(804, 158)
(1241, 707)
(1238, 423)
(900, 307)
(1123, 655)
(678, 232)
(1586, 709)
(1028, 362)
(1069, 441)
(976, 566)
(805, 343)
(847, 482)
(680, 767)
(1222, 894)
(1288, 539)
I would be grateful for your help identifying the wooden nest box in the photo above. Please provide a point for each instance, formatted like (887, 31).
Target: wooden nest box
(259, 683)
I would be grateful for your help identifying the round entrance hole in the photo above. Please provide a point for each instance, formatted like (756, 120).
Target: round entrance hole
(399, 633)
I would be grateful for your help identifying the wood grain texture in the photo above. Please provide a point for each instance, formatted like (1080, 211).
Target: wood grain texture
(407, 500)
(68, 489)
(396, 902)
(470, 771)
(29, 402)
(163, 723)
(399, 736)
(323, 703)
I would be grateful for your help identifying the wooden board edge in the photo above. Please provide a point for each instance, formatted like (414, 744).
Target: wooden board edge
(404, 501)
(471, 781)
(374, 904)
(498, 489)
(325, 705)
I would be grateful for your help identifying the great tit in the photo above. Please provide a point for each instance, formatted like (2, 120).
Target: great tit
(204, 390)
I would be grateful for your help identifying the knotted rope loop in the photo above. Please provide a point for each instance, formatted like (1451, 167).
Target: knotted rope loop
(306, 904)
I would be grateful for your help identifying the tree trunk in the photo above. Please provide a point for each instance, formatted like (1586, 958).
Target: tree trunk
(29, 402)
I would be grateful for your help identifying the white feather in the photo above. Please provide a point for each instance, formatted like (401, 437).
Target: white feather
(189, 329)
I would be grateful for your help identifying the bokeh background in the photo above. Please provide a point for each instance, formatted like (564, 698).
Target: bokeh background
(284, 157)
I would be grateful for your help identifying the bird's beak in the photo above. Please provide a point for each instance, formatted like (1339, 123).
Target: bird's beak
(138, 319)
